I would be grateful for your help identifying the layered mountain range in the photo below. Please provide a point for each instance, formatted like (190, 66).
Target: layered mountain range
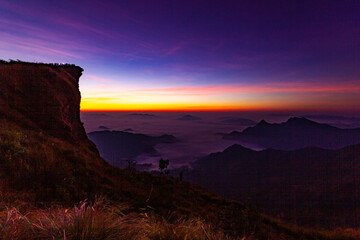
(296, 133)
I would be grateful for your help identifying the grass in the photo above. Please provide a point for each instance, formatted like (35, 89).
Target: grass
(102, 220)
(12, 61)
(99, 220)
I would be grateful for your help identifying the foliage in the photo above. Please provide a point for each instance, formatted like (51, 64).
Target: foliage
(17, 61)
(163, 164)
(131, 165)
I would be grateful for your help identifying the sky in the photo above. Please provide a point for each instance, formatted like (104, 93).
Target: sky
(195, 55)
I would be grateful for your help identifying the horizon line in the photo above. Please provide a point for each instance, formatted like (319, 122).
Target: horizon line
(221, 110)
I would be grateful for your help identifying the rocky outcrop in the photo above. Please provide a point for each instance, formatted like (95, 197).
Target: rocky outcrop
(42, 96)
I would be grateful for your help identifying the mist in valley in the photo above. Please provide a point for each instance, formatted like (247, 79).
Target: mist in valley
(198, 133)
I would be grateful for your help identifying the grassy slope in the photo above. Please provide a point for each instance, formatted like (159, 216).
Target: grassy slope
(39, 168)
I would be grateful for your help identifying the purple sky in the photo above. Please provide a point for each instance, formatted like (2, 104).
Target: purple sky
(195, 54)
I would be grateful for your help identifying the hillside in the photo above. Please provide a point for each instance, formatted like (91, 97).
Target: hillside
(47, 164)
(310, 186)
(118, 146)
(296, 133)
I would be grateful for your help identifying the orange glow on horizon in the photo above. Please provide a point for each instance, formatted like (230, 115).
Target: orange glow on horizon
(249, 106)
(234, 97)
(184, 108)
(161, 107)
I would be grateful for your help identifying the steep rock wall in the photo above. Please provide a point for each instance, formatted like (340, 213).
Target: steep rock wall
(42, 96)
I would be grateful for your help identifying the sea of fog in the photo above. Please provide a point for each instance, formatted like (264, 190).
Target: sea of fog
(199, 133)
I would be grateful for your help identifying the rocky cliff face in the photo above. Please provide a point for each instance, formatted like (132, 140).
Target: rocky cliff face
(42, 96)
(44, 149)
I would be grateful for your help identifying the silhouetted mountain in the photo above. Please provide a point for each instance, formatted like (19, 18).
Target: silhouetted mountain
(103, 128)
(296, 133)
(117, 146)
(189, 118)
(96, 114)
(143, 115)
(310, 186)
(238, 121)
(337, 121)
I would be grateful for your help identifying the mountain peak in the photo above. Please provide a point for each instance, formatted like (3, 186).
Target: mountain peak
(237, 148)
(300, 120)
(189, 117)
(263, 122)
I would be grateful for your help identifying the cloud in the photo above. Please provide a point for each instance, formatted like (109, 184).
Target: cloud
(29, 44)
(300, 87)
(230, 96)
(261, 88)
(97, 78)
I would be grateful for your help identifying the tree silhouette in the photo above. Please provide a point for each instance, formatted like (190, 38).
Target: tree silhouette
(181, 176)
(131, 165)
(163, 164)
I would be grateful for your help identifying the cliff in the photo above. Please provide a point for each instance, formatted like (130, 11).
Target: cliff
(44, 150)
(42, 96)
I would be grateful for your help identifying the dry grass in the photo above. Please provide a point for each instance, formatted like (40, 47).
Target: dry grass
(98, 221)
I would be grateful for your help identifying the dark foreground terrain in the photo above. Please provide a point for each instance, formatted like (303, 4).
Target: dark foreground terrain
(309, 186)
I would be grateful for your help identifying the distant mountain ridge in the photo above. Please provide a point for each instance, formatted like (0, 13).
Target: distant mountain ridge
(188, 118)
(296, 133)
(117, 146)
(337, 121)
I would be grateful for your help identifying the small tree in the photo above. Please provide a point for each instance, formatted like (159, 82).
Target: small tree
(163, 164)
(131, 165)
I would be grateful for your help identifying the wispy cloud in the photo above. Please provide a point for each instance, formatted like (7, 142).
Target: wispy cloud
(213, 95)
(35, 46)
(48, 42)
(299, 87)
